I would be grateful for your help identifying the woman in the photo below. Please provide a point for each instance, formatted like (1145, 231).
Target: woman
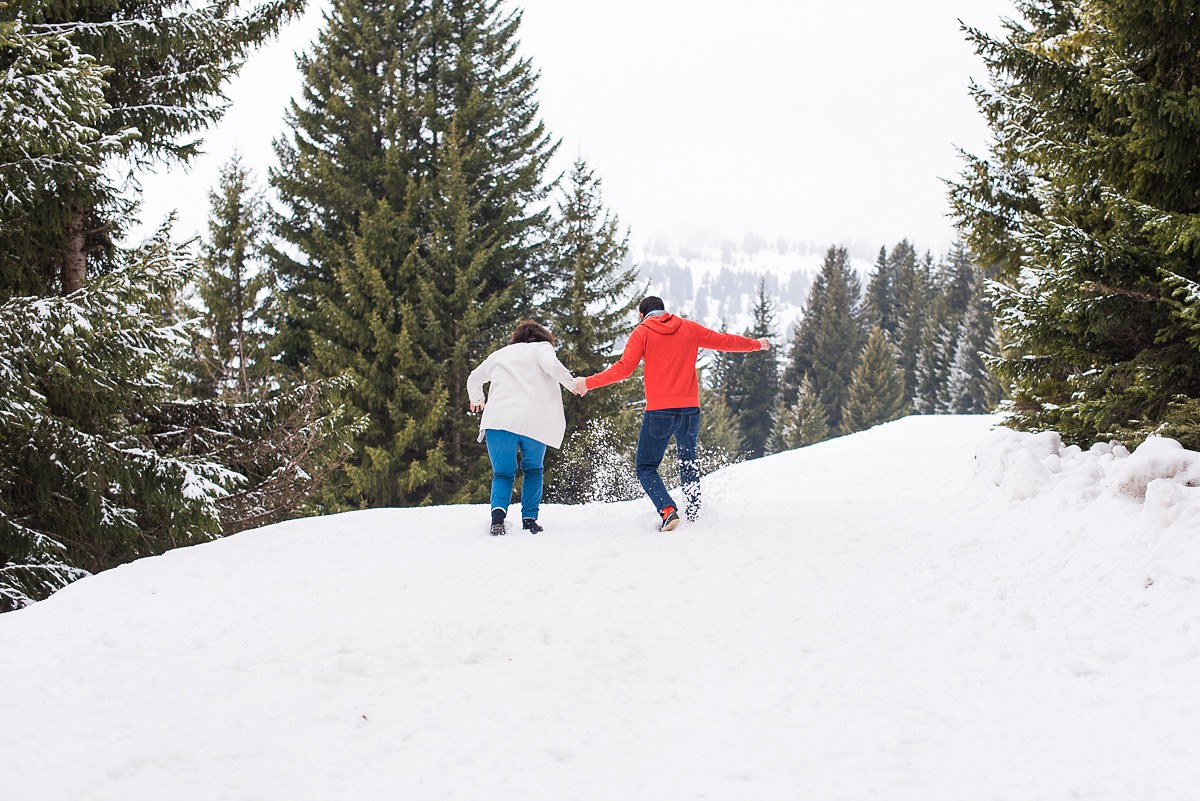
(522, 412)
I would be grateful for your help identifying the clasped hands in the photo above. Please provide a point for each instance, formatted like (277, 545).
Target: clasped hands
(581, 387)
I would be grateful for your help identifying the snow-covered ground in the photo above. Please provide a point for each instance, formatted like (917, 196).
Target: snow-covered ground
(928, 610)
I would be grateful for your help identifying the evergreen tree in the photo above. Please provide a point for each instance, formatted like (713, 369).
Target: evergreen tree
(410, 191)
(829, 338)
(594, 293)
(879, 302)
(935, 357)
(801, 423)
(591, 298)
(164, 63)
(231, 341)
(52, 109)
(971, 388)
(951, 374)
(720, 440)
(1086, 207)
(81, 482)
(100, 466)
(876, 392)
(750, 386)
(912, 293)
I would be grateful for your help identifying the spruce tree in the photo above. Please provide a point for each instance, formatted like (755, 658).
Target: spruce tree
(804, 422)
(594, 291)
(876, 393)
(912, 294)
(590, 299)
(52, 110)
(1086, 208)
(830, 336)
(165, 63)
(879, 301)
(720, 440)
(750, 383)
(230, 343)
(83, 485)
(411, 187)
(100, 464)
(971, 388)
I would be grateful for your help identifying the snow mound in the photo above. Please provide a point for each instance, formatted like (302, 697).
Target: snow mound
(1161, 475)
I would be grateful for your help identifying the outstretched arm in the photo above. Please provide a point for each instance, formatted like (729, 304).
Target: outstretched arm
(717, 340)
(631, 357)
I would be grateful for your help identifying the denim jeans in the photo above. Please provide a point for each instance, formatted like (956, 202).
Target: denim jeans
(502, 449)
(658, 426)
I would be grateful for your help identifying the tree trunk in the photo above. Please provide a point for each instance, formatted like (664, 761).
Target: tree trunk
(74, 266)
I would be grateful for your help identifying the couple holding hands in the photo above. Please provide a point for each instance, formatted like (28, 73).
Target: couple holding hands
(523, 410)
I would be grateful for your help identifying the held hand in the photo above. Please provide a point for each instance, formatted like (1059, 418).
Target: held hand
(764, 343)
(581, 388)
(477, 407)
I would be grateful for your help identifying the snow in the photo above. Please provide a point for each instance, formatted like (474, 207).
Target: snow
(929, 610)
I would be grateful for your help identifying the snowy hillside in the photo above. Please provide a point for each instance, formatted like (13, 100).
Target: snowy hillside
(923, 611)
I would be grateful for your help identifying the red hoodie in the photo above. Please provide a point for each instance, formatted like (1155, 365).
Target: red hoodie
(669, 345)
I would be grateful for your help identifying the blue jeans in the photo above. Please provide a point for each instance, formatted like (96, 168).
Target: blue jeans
(502, 449)
(658, 426)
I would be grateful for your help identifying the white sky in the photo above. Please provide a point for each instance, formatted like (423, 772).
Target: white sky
(816, 122)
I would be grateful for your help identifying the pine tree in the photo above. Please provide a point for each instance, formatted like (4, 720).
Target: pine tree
(100, 465)
(52, 107)
(81, 483)
(410, 195)
(231, 342)
(750, 382)
(1086, 208)
(595, 291)
(951, 374)
(804, 422)
(720, 440)
(590, 300)
(829, 338)
(879, 302)
(164, 63)
(876, 392)
(971, 388)
(912, 293)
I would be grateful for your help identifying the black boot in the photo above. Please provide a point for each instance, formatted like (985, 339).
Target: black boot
(531, 525)
(498, 527)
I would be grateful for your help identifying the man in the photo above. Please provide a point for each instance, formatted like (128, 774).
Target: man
(669, 346)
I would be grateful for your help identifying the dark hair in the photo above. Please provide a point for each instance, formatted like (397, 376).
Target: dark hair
(650, 304)
(530, 331)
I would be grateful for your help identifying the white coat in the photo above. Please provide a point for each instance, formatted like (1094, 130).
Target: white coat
(524, 397)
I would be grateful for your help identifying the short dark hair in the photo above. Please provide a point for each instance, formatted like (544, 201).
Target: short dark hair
(650, 304)
(530, 331)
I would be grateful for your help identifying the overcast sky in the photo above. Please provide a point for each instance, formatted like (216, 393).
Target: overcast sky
(820, 122)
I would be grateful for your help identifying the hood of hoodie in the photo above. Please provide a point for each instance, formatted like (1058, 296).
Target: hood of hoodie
(663, 323)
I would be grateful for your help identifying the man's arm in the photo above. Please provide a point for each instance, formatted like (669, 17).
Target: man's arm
(717, 340)
(631, 357)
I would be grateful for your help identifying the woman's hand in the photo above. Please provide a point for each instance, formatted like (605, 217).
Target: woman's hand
(478, 407)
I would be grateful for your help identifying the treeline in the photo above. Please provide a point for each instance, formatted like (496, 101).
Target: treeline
(911, 341)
